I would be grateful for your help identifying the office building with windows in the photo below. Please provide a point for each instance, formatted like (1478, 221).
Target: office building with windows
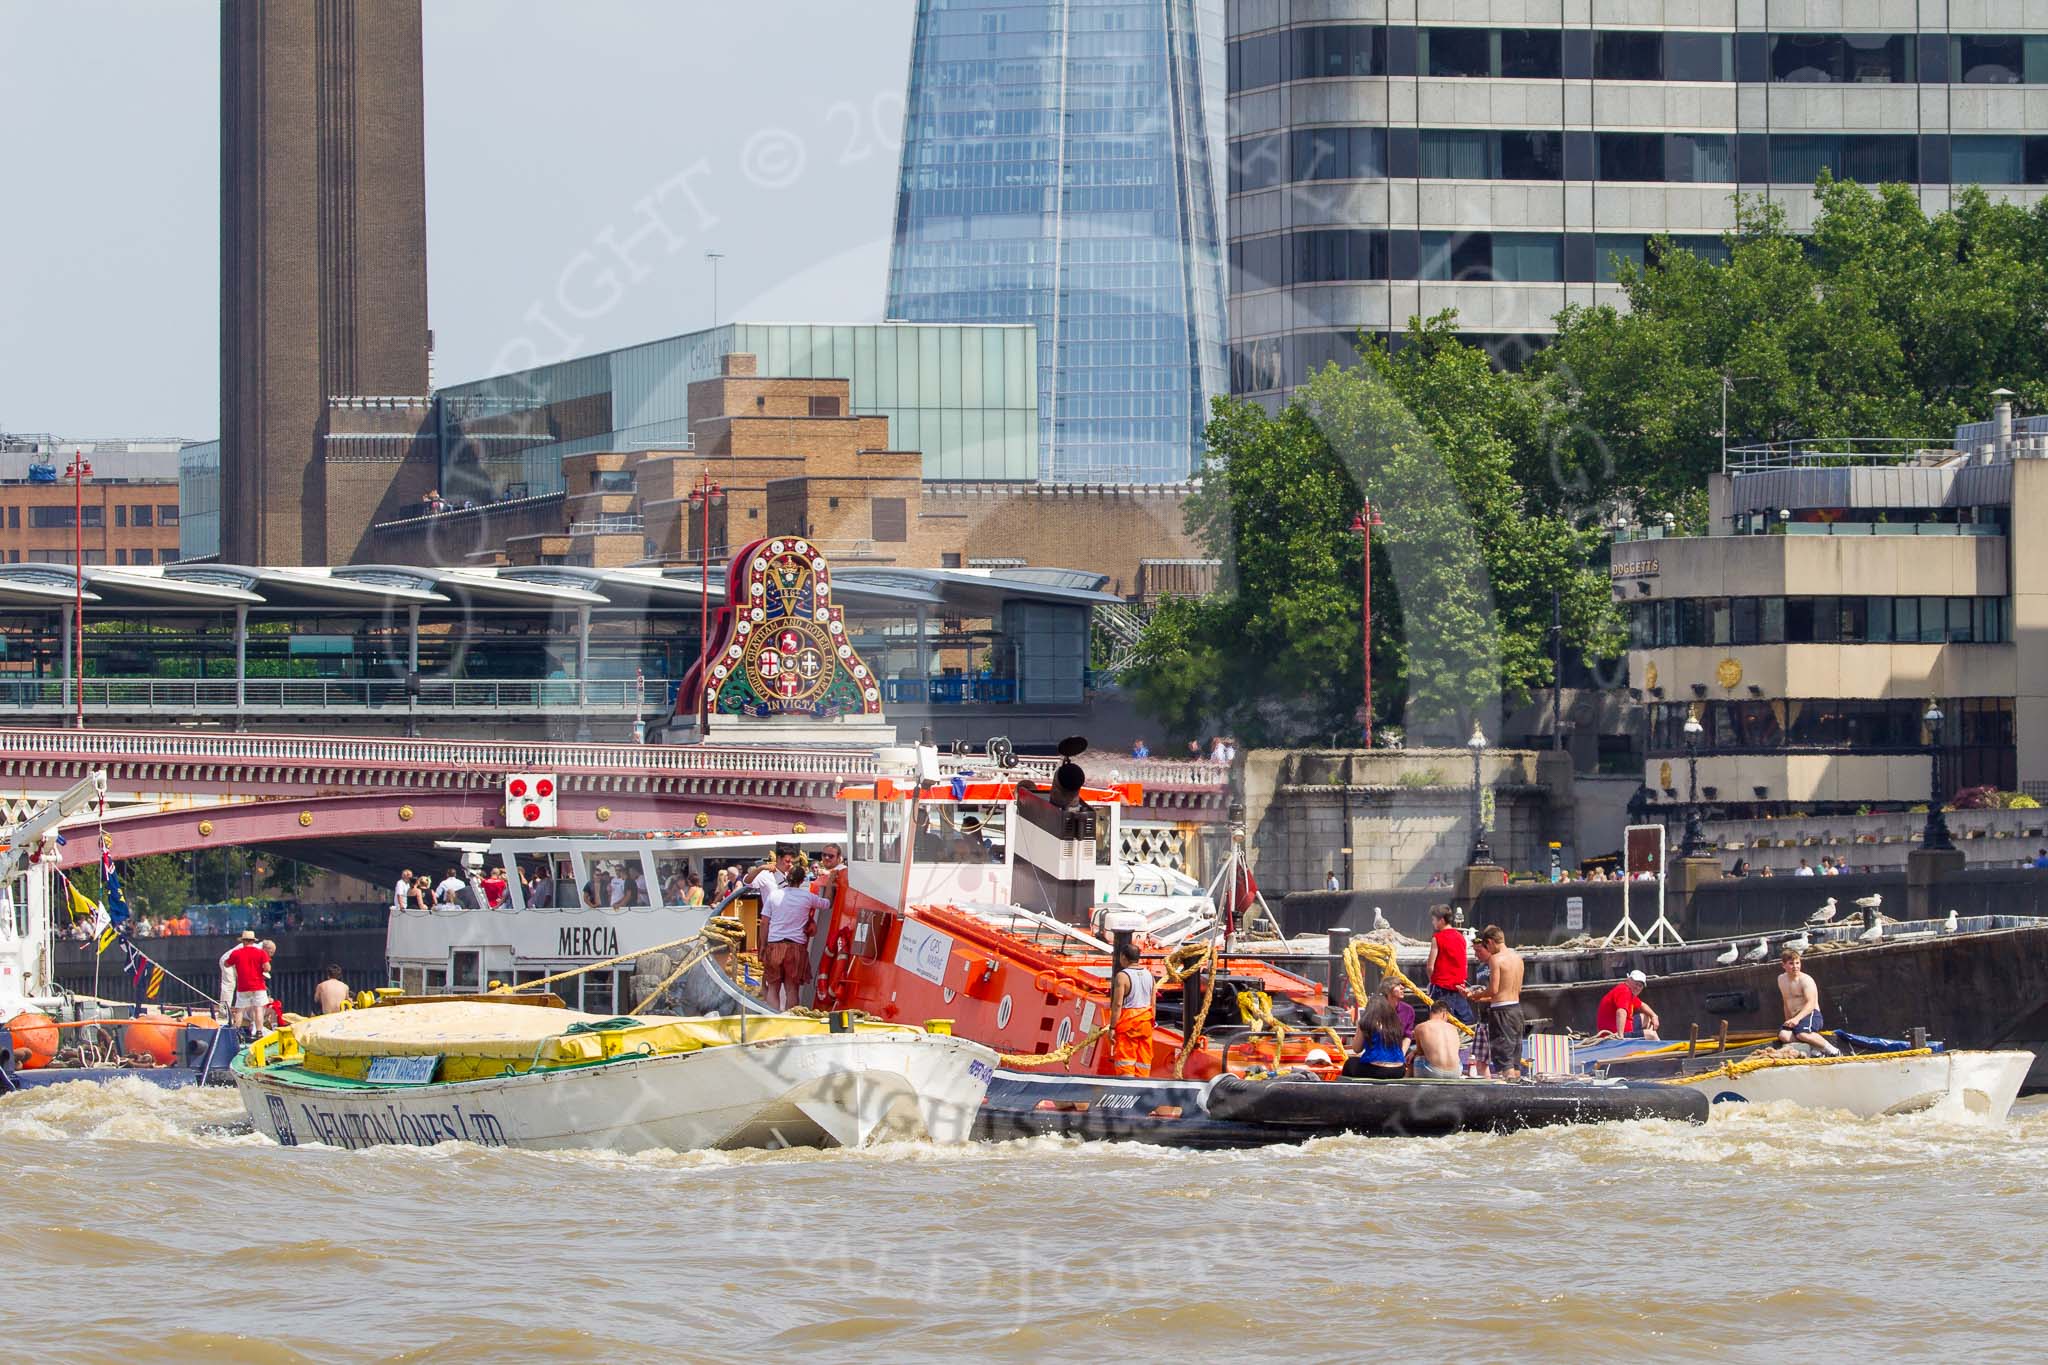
(963, 395)
(1843, 586)
(1394, 158)
(124, 512)
(1058, 169)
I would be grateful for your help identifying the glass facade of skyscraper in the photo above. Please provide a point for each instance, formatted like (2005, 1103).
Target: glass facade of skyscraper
(1058, 169)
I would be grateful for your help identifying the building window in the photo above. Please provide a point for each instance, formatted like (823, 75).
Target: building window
(1699, 158)
(1457, 156)
(1699, 57)
(120, 514)
(1457, 256)
(145, 515)
(1798, 159)
(1630, 156)
(14, 518)
(1842, 58)
(167, 514)
(143, 557)
(1628, 55)
(120, 556)
(1337, 153)
(889, 520)
(1457, 52)
(949, 560)
(1346, 50)
(1327, 256)
(824, 405)
(1990, 59)
(59, 518)
(1987, 161)
(1528, 257)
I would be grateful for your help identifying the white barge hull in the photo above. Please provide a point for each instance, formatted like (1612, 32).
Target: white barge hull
(830, 1090)
(1984, 1083)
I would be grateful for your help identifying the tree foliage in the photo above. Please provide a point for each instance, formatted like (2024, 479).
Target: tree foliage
(1463, 567)
(1882, 321)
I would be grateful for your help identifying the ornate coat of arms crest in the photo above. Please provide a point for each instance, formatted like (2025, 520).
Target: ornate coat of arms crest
(782, 647)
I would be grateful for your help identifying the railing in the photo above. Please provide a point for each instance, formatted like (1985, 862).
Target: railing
(606, 526)
(951, 691)
(497, 756)
(192, 696)
(1827, 452)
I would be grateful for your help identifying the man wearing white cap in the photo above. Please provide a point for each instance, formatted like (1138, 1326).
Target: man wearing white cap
(1622, 1011)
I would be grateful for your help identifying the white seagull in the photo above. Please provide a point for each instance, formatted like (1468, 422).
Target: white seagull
(1758, 953)
(1379, 920)
(1948, 926)
(1871, 901)
(1734, 949)
(1800, 944)
(1825, 914)
(1873, 933)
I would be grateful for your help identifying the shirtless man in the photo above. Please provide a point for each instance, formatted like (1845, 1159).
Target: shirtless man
(1503, 999)
(1802, 1006)
(1436, 1043)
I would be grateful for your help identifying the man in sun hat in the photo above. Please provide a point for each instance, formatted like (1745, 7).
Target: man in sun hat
(250, 967)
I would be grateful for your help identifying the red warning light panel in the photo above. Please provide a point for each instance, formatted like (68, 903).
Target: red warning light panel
(529, 801)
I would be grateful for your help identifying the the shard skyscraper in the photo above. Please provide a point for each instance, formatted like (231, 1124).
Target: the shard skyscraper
(1060, 167)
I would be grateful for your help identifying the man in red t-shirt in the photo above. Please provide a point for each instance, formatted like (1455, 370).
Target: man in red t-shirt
(1447, 966)
(251, 968)
(1622, 1011)
(495, 887)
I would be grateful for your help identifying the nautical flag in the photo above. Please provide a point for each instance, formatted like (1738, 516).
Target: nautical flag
(80, 905)
(156, 981)
(106, 939)
(117, 904)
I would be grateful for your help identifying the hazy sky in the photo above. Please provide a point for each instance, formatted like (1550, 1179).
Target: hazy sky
(582, 156)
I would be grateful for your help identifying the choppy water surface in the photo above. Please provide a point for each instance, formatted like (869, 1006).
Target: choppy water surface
(142, 1224)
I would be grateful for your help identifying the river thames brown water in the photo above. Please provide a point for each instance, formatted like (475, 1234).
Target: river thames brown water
(146, 1225)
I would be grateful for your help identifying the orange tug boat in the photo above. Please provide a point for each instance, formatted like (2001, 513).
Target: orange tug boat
(995, 904)
(1022, 962)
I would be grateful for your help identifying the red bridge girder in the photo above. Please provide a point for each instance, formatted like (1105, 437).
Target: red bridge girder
(474, 814)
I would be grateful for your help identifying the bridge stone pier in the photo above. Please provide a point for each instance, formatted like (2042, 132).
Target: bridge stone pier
(358, 804)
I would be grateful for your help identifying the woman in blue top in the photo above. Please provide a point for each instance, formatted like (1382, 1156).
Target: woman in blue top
(1379, 1052)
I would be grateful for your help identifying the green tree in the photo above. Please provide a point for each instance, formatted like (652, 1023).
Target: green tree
(1463, 569)
(1884, 321)
(155, 884)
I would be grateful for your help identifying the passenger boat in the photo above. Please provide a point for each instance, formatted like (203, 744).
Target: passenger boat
(525, 1072)
(1873, 1078)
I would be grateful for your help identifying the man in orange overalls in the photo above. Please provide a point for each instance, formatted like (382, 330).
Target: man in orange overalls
(1131, 992)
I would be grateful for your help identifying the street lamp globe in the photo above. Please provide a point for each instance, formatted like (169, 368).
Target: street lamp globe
(1933, 716)
(1478, 740)
(1693, 729)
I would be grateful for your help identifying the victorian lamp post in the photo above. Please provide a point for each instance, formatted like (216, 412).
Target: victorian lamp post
(1362, 524)
(1482, 854)
(1690, 845)
(1936, 834)
(704, 494)
(78, 473)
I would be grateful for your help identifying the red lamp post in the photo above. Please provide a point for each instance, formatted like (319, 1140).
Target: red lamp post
(703, 495)
(78, 473)
(1362, 524)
